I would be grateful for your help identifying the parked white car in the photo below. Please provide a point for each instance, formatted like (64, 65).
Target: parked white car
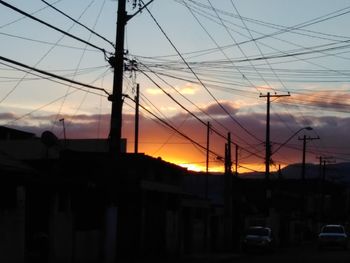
(258, 238)
(333, 236)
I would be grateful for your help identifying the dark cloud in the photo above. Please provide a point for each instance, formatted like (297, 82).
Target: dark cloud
(336, 100)
(216, 110)
(154, 136)
(7, 116)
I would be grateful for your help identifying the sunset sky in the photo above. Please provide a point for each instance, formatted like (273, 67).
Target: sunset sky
(211, 57)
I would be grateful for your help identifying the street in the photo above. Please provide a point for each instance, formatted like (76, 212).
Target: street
(307, 253)
(299, 254)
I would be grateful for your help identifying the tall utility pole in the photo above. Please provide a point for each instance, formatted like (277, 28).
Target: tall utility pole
(207, 162)
(228, 195)
(64, 130)
(267, 140)
(137, 100)
(228, 159)
(228, 178)
(236, 161)
(268, 149)
(304, 139)
(236, 213)
(116, 97)
(206, 194)
(117, 62)
(303, 186)
(323, 161)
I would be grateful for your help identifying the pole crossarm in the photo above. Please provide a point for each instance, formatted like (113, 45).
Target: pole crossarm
(326, 159)
(309, 138)
(274, 95)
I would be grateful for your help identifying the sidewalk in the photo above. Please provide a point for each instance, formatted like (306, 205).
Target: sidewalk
(193, 258)
(209, 258)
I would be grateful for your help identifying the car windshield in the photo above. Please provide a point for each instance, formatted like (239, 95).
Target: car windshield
(257, 231)
(332, 229)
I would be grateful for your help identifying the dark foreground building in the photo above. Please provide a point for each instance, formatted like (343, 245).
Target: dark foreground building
(59, 204)
(86, 206)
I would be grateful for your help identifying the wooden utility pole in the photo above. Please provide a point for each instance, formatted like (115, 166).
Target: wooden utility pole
(305, 139)
(304, 197)
(228, 178)
(267, 138)
(228, 162)
(64, 131)
(137, 101)
(268, 149)
(206, 193)
(323, 161)
(207, 162)
(228, 195)
(117, 62)
(236, 161)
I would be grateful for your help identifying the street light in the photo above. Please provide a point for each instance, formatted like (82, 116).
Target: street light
(64, 130)
(268, 191)
(291, 137)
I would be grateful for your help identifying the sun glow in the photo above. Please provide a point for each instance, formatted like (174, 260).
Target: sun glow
(191, 167)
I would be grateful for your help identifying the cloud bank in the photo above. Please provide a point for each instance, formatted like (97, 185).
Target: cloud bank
(158, 140)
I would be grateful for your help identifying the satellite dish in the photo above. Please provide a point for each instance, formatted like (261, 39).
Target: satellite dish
(49, 139)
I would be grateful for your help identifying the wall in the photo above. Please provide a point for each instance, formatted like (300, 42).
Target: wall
(12, 234)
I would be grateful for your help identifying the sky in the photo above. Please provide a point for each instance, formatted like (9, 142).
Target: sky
(198, 62)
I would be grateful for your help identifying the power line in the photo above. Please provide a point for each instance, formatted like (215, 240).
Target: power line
(308, 51)
(45, 55)
(53, 101)
(285, 29)
(23, 17)
(44, 42)
(239, 47)
(15, 79)
(70, 121)
(189, 67)
(41, 107)
(263, 36)
(220, 48)
(78, 65)
(52, 75)
(188, 111)
(196, 117)
(77, 22)
(282, 29)
(304, 60)
(174, 132)
(256, 44)
(52, 79)
(174, 129)
(51, 26)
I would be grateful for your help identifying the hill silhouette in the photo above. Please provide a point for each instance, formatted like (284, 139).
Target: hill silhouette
(337, 172)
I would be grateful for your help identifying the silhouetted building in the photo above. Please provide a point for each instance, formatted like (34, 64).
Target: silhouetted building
(72, 201)
(14, 134)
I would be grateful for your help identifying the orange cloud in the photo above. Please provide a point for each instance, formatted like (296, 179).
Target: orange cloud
(159, 141)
